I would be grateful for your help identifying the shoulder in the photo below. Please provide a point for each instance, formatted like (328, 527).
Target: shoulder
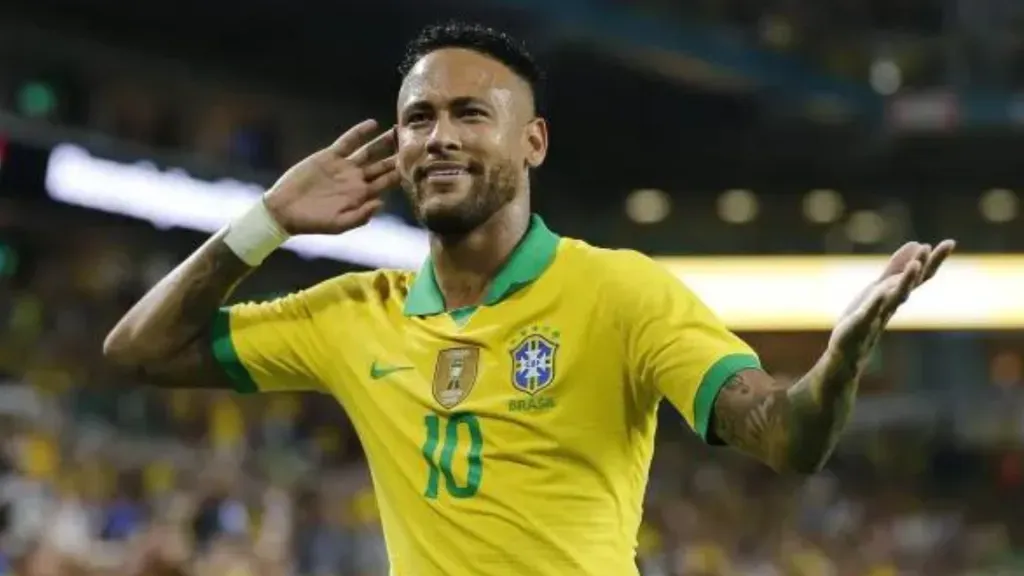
(364, 287)
(631, 286)
(346, 291)
(617, 271)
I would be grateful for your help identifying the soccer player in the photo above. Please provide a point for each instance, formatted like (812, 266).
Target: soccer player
(505, 394)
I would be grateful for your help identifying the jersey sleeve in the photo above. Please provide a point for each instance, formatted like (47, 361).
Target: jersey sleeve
(272, 346)
(676, 346)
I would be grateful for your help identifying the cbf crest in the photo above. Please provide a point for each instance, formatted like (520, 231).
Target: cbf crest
(455, 374)
(534, 359)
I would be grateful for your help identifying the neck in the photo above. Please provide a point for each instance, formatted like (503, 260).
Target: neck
(465, 266)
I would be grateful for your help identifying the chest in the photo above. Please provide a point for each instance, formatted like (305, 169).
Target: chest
(532, 376)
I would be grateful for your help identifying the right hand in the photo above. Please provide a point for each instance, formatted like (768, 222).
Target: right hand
(338, 188)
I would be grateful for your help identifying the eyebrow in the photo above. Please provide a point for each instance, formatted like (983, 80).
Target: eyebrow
(459, 102)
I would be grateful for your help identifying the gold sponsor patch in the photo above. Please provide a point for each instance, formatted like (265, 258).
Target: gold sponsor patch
(455, 375)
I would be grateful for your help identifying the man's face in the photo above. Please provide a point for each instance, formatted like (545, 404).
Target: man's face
(466, 135)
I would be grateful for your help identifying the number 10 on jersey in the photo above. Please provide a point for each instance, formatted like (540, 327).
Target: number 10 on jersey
(440, 465)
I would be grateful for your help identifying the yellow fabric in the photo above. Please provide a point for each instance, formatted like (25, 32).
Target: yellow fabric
(40, 458)
(811, 562)
(364, 507)
(158, 478)
(283, 408)
(648, 540)
(484, 465)
(227, 427)
(705, 558)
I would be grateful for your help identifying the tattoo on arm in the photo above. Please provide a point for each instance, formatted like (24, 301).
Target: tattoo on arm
(790, 428)
(201, 290)
(164, 338)
(192, 367)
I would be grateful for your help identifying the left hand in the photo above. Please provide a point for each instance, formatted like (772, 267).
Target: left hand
(864, 321)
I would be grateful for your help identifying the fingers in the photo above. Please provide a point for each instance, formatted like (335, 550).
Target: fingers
(899, 259)
(381, 175)
(907, 282)
(382, 146)
(347, 143)
(936, 258)
(929, 258)
(378, 169)
(860, 323)
(367, 210)
(909, 267)
(874, 307)
(360, 215)
(887, 296)
(383, 182)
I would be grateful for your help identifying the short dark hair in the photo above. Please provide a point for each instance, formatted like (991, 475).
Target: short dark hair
(479, 38)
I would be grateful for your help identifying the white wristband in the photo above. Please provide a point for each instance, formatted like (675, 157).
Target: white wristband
(254, 235)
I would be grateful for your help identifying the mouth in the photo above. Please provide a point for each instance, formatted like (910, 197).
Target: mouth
(444, 172)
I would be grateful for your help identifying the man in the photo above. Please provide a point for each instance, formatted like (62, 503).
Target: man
(506, 394)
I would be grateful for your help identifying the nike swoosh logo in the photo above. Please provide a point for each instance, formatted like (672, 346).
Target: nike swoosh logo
(377, 372)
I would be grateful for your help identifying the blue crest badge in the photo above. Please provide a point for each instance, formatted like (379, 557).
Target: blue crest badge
(533, 362)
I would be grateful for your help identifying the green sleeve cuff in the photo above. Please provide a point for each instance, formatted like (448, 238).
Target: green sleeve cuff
(720, 372)
(226, 355)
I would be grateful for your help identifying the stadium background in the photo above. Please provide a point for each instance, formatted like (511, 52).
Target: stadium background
(703, 128)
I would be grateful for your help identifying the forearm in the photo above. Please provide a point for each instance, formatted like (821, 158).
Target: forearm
(791, 428)
(818, 407)
(177, 310)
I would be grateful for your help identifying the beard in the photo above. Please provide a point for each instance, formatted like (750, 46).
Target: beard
(488, 193)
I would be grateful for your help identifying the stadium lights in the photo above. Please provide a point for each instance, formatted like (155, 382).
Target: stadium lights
(36, 99)
(175, 199)
(797, 293)
(885, 77)
(737, 206)
(866, 227)
(999, 205)
(823, 206)
(648, 205)
(748, 293)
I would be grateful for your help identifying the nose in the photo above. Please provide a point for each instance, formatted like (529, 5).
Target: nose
(444, 138)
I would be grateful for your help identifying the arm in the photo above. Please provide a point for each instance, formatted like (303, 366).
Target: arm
(792, 428)
(165, 337)
(681, 351)
(795, 428)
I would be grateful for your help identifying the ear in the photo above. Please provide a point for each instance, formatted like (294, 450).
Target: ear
(535, 142)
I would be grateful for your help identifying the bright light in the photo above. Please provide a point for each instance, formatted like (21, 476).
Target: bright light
(998, 205)
(886, 77)
(777, 31)
(865, 227)
(810, 292)
(648, 206)
(823, 206)
(36, 100)
(737, 206)
(174, 198)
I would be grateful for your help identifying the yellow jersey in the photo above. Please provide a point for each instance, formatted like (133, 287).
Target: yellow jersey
(510, 438)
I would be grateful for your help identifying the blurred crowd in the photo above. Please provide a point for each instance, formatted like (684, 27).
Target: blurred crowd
(905, 506)
(197, 108)
(101, 475)
(933, 44)
(198, 113)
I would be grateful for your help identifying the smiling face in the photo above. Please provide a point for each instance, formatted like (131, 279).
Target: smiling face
(467, 135)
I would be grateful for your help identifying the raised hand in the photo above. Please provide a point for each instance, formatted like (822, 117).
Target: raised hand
(862, 324)
(338, 188)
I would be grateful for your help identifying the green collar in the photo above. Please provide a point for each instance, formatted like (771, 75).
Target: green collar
(526, 263)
